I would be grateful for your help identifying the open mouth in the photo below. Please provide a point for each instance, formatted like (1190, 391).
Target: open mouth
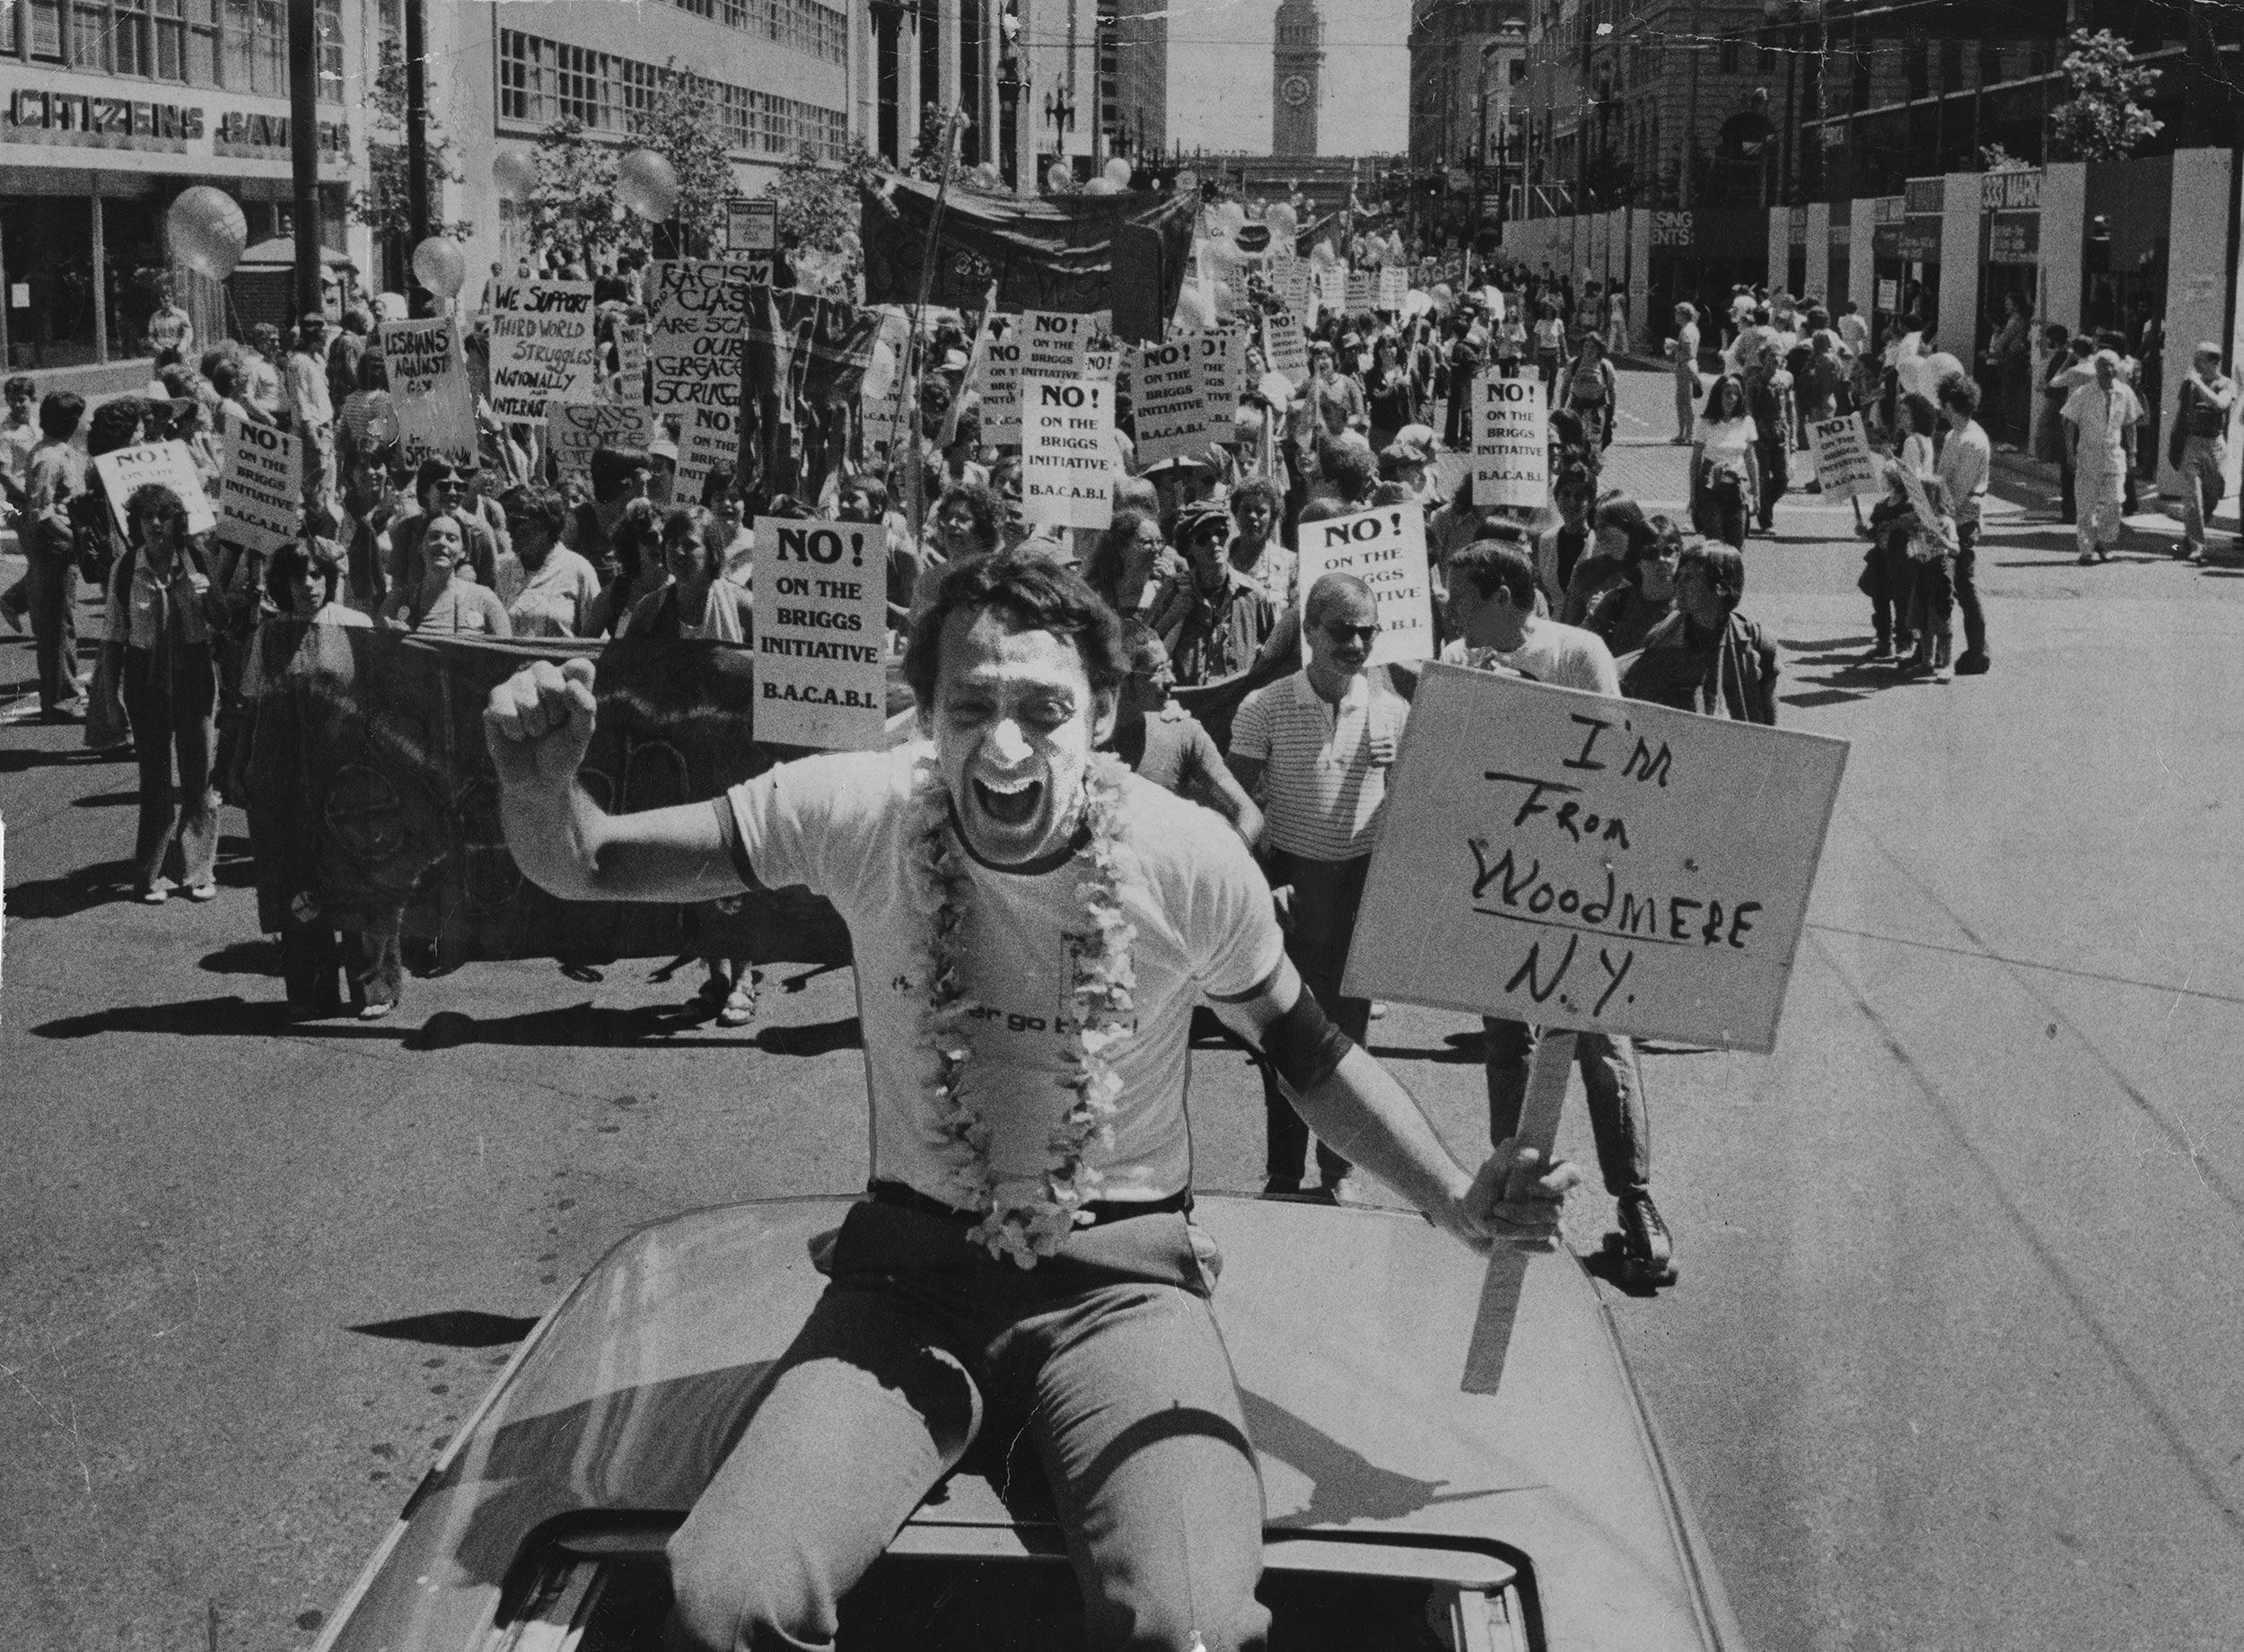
(1013, 803)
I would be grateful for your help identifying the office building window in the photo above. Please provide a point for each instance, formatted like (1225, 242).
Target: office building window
(803, 25)
(542, 81)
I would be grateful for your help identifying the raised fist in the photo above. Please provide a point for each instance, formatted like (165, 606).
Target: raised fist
(538, 723)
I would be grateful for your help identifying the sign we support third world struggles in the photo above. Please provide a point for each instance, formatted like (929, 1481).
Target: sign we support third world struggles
(1602, 865)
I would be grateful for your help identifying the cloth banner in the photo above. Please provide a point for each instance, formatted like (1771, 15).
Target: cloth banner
(372, 803)
(803, 360)
(1043, 254)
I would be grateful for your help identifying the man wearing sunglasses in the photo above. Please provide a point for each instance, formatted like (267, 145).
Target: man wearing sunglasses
(1313, 751)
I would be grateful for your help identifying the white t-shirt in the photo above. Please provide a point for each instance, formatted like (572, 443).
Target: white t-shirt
(1564, 656)
(843, 824)
(1724, 437)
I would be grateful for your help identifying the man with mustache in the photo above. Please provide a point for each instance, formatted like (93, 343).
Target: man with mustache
(1009, 895)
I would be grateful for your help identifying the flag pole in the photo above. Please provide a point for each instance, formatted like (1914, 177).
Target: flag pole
(914, 350)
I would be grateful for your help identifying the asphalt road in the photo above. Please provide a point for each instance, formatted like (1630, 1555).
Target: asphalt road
(1953, 1362)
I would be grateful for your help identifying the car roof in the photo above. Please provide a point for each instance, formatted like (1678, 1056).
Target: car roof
(1348, 1330)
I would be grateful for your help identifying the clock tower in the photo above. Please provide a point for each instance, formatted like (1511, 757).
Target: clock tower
(1297, 67)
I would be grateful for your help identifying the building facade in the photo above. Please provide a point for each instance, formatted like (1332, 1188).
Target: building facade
(1132, 77)
(1297, 73)
(108, 111)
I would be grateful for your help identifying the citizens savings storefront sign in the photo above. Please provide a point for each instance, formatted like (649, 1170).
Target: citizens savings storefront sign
(35, 116)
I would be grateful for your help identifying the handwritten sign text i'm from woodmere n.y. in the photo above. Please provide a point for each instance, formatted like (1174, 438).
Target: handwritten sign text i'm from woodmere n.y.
(822, 630)
(1602, 865)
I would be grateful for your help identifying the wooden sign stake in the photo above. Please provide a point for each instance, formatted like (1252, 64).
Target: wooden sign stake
(1547, 1077)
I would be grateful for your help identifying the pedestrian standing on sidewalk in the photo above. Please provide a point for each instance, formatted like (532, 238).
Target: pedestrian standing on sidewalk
(54, 475)
(1967, 461)
(2101, 418)
(1314, 750)
(1683, 354)
(159, 625)
(2200, 444)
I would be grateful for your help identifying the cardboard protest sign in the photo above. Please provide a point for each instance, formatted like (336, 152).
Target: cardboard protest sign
(708, 443)
(1067, 447)
(261, 490)
(1511, 441)
(1059, 345)
(1292, 284)
(631, 359)
(821, 633)
(1562, 859)
(1222, 357)
(1846, 468)
(1386, 548)
(751, 225)
(542, 347)
(1394, 286)
(998, 380)
(1167, 401)
(165, 462)
(1285, 347)
(428, 389)
(697, 316)
(1358, 291)
(573, 429)
(1332, 286)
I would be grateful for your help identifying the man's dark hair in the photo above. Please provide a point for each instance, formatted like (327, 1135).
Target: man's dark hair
(873, 488)
(1725, 568)
(432, 468)
(58, 415)
(611, 468)
(1392, 494)
(1349, 469)
(1031, 593)
(20, 381)
(1264, 489)
(1491, 565)
(981, 504)
(1330, 591)
(148, 498)
(293, 562)
(1658, 536)
(1961, 394)
(537, 504)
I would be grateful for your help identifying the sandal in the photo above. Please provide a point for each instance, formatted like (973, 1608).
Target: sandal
(740, 1005)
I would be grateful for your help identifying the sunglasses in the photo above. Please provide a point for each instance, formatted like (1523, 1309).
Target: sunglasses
(1342, 635)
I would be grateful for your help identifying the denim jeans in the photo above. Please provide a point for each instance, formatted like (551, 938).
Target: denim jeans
(173, 719)
(2203, 458)
(1965, 578)
(51, 598)
(1610, 1076)
(1103, 1360)
(1327, 894)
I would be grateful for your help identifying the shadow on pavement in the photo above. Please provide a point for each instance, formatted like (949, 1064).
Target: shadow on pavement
(589, 1025)
(106, 800)
(203, 1018)
(25, 757)
(245, 958)
(457, 1327)
(71, 892)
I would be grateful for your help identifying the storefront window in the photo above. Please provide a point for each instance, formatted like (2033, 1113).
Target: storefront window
(202, 42)
(56, 330)
(89, 37)
(44, 18)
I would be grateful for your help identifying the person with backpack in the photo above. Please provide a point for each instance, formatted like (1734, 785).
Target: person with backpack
(1588, 389)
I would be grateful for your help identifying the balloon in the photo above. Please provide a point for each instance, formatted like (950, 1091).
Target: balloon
(1416, 304)
(1944, 367)
(1188, 180)
(987, 177)
(515, 174)
(647, 184)
(207, 231)
(1282, 219)
(1058, 178)
(1118, 172)
(1322, 255)
(1102, 185)
(1228, 216)
(440, 266)
(1443, 296)
(849, 244)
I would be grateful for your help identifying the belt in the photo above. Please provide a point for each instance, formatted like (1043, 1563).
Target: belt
(1102, 1210)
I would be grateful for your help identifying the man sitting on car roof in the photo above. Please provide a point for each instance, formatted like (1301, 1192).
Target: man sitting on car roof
(1032, 927)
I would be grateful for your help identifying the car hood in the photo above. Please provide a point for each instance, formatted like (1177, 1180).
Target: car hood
(1347, 1328)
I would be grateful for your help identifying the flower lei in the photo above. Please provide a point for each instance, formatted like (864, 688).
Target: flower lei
(1100, 984)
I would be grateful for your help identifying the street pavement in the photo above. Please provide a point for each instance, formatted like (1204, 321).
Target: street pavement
(1952, 1362)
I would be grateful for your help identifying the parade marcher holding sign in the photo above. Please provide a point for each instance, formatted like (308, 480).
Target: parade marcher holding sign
(1492, 612)
(1313, 749)
(1212, 620)
(159, 628)
(1026, 1244)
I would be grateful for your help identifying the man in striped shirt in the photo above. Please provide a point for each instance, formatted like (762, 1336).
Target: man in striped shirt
(1314, 749)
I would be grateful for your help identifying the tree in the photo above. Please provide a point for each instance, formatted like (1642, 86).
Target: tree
(819, 202)
(575, 217)
(2103, 120)
(686, 127)
(381, 206)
